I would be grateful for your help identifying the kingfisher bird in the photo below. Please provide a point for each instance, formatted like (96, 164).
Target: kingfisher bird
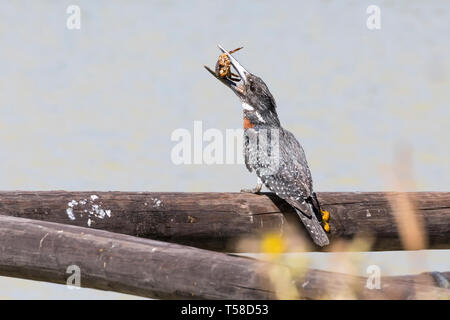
(273, 152)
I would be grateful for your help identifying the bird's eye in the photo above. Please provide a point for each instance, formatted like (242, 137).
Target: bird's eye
(252, 87)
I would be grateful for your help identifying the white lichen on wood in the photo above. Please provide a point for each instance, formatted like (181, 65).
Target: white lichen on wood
(94, 210)
(156, 202)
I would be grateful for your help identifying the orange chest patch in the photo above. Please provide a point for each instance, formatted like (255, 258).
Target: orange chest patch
(248, 124)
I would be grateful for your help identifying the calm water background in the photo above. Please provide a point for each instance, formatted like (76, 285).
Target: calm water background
(93, 109)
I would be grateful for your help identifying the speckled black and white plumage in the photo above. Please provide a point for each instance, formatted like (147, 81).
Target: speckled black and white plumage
(285, 172)
(277, 157)
(272, 152)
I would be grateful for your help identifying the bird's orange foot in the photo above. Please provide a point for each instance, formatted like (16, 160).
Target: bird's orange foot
(325, 218)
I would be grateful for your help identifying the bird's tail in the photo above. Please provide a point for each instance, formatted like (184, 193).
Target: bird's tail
(313, 226)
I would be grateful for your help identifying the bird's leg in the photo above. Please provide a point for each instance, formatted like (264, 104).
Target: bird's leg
(256, 189)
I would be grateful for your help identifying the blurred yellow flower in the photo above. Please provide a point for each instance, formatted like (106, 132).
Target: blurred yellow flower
(273, 244)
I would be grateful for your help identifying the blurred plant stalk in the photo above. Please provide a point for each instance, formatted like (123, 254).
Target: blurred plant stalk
(410, 225)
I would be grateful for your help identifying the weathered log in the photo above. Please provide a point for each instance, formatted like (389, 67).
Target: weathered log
(43, 251)
(219, 220)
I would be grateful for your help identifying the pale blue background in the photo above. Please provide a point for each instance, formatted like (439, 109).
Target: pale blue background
(93, 109)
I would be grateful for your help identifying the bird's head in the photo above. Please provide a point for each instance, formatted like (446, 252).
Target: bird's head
(257, 101)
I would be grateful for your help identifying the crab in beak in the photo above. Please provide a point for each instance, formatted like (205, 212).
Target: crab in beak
(237, 86)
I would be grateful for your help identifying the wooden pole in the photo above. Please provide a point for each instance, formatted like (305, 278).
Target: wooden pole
(218, 221)
(44, 251)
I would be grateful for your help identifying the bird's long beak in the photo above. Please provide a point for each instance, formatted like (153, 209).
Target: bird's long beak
(230, 84)
(236, 87)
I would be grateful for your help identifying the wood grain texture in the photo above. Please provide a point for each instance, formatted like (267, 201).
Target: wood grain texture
(217, 221)
(371, 213)
(43, 251)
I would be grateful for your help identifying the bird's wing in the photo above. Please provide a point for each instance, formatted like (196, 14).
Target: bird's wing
(290, 178)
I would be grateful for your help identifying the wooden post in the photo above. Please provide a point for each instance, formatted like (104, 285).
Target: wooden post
(43, 251)
(217, 221)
